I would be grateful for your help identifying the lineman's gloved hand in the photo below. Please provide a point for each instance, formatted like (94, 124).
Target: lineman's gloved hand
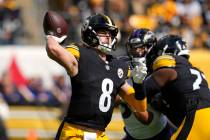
(139, 72)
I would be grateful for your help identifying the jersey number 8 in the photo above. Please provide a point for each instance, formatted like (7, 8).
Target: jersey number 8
(105, 98)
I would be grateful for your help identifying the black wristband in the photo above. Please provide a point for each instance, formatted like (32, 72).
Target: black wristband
(139, 94)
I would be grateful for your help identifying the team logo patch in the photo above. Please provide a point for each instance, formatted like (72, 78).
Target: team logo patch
(120, 73)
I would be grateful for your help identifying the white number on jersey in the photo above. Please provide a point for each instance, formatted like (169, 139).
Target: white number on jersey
(197, 82)
(107, 88)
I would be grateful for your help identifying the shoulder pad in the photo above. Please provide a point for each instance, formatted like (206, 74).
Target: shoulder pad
(164, 61)
(73, 49)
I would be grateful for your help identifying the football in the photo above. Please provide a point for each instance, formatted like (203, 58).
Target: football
(55, 25)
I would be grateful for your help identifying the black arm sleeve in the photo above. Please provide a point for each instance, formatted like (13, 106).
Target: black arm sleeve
(139, 93)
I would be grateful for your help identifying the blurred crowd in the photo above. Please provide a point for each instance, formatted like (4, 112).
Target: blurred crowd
(188, 18)
(33, 91)
(11, 23)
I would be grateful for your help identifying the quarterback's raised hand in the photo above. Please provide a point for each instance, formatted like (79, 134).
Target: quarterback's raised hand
(55, 25)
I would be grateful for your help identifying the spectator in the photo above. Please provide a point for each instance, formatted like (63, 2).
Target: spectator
(62, 92)
(10, 91)
(43, 97)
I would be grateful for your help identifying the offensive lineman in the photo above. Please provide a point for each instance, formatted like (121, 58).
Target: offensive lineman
(183, 87)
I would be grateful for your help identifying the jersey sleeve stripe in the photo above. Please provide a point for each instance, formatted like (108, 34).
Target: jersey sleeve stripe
(164, 61)
(73, 50)
(131, 90)
(129, 73)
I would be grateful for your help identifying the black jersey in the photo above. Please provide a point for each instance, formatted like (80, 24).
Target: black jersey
(94, 89)
(182, 94)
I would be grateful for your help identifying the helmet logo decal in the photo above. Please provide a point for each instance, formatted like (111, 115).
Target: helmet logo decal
(120, 73)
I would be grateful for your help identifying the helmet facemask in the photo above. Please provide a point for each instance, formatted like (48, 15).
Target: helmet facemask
(106, 47)
(139, 44)
(138, 55)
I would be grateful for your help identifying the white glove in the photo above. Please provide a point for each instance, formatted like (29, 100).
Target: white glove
(139, 72)
(58, 39)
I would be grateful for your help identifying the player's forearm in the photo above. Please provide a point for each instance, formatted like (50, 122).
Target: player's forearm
(59, 54)
(140, 105)
(53, 48)
(137, 105)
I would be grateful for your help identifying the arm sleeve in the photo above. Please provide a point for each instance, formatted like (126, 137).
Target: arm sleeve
(139, 93)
